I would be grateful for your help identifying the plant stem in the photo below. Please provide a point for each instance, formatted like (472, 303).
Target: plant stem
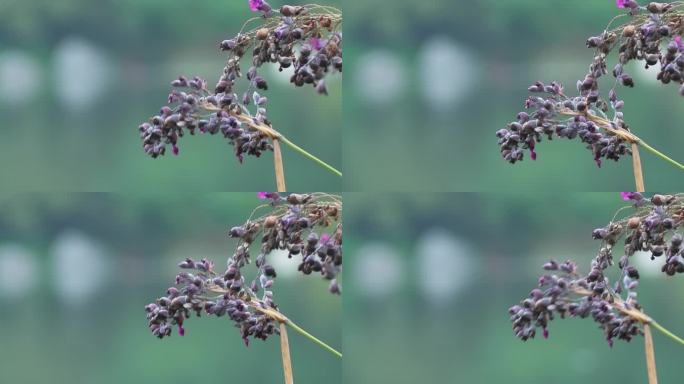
(660, 154)
(634, 314)
(624, 134)
(285, 352)
(667, 333)
(275, 135)
(638, 172)
(279, 169)
(309, 156)
(650, 355)
(313, 338)
(279, 317)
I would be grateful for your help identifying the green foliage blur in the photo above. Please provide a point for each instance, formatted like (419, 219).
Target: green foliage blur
(405, 144)
(63, 327)
(405, 331)
(144, 45)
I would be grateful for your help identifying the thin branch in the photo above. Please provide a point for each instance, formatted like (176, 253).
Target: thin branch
(623, 134)
(285, 352)
(279, 317)
(667, 333)
(638, 172)
(274, 135)
(634, 314)
(310, 156)
(660, 154)
(278, 164)
(650, 355)
(313, 338)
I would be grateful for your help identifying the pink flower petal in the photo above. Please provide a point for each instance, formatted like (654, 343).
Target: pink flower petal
(324, 238)
(255, 5)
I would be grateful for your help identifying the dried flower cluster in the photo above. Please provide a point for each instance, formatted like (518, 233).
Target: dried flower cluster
(652, 36)
(655, 228)
(298, 224)
(306, 38)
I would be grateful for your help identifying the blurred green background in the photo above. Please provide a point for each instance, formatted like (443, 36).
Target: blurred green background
(77, 77)
(76, 271)
(429, 83)
(430, 278)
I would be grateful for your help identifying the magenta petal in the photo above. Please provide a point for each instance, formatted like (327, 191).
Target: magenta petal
(324, 238)
(181, 330)
(262, 195)
(546, 333)
(255, 5)
(175, 150)
(620, 3)
(315, 43)
(626, 196)
(533, 154)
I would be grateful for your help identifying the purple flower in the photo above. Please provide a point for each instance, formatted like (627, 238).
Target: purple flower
(175, 150)
(273, 196)
(181, 330)
(635, 197)
(678, 40)
(315, 43)
(324, 238)
(256, 5)
(631, 4)
(627, 196)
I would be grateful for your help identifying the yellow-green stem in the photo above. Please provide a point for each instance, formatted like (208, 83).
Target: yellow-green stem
(306, 154)
(660, 154)
(667, 333)
(313, 338)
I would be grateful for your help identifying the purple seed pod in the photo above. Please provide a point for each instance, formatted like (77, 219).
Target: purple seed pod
(231, 293)
(285, 39)
(655, 226)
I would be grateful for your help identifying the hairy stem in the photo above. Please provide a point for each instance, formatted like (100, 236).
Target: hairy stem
(285, 352)
(650, 355)
(279, 169)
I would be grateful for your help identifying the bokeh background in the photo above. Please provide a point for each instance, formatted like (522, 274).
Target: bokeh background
(430, 82)
(77, 77)
(430, 278)
(76, 271)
